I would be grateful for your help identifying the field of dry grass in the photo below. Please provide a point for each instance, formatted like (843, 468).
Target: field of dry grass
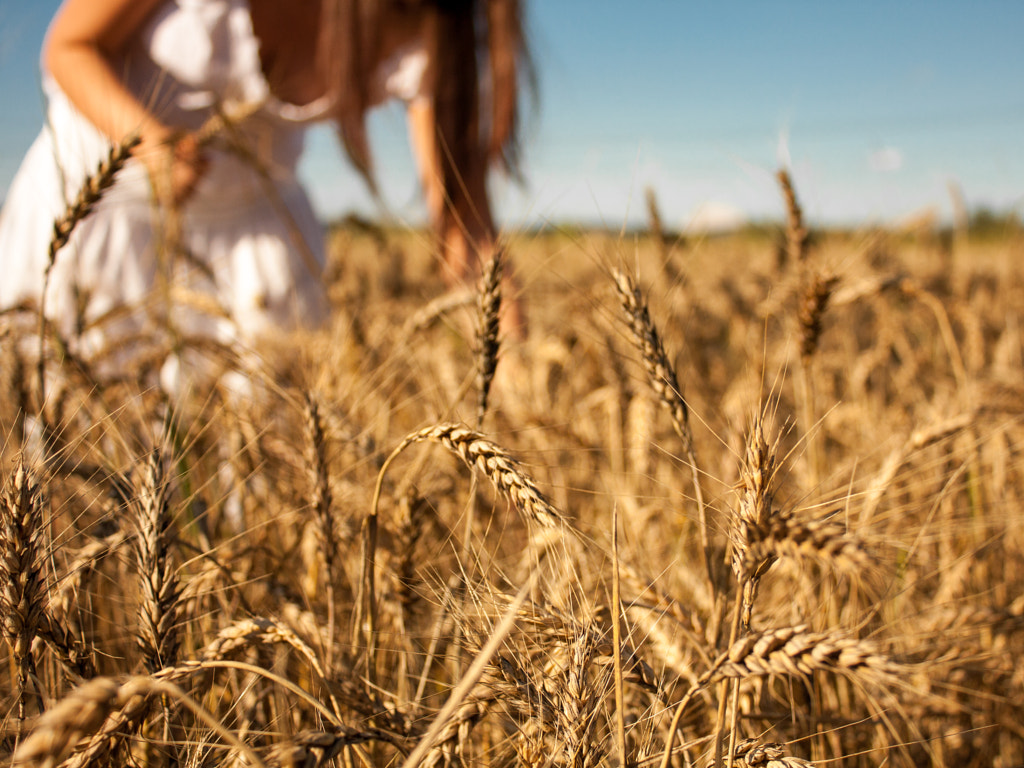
(754, 496)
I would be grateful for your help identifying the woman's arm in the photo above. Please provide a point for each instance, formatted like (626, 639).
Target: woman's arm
(82, 49)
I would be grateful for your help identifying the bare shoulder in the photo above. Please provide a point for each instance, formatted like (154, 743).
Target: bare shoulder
(108, 24)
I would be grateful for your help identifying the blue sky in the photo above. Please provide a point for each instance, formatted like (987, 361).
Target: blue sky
(876, 106)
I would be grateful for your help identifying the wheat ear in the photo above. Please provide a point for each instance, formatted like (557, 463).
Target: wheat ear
(22, 587)
(786, 651)
(753, 518)
(494, 463)
(811, 310)
(91, 192)
(809, 315)
(93, 188)
(488, 310)
(661, 376)
(796, 232)
(159, 613)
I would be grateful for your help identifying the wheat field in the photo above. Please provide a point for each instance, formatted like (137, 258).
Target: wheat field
(749, 499)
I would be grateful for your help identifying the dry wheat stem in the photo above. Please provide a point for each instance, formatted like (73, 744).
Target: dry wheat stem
(442, 305)
(192, 667)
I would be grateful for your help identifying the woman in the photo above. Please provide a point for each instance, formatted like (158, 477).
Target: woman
(218, 93)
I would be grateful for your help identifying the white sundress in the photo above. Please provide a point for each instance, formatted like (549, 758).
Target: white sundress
(259, 255)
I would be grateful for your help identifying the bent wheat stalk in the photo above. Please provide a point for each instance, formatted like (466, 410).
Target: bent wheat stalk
(479, 453)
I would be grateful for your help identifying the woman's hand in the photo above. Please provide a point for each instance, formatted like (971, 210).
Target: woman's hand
(176, 164)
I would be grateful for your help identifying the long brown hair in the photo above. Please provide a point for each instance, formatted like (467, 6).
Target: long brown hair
(477, 113)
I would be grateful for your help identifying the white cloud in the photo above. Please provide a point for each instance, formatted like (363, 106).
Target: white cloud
(885, 160)
(713, 216)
